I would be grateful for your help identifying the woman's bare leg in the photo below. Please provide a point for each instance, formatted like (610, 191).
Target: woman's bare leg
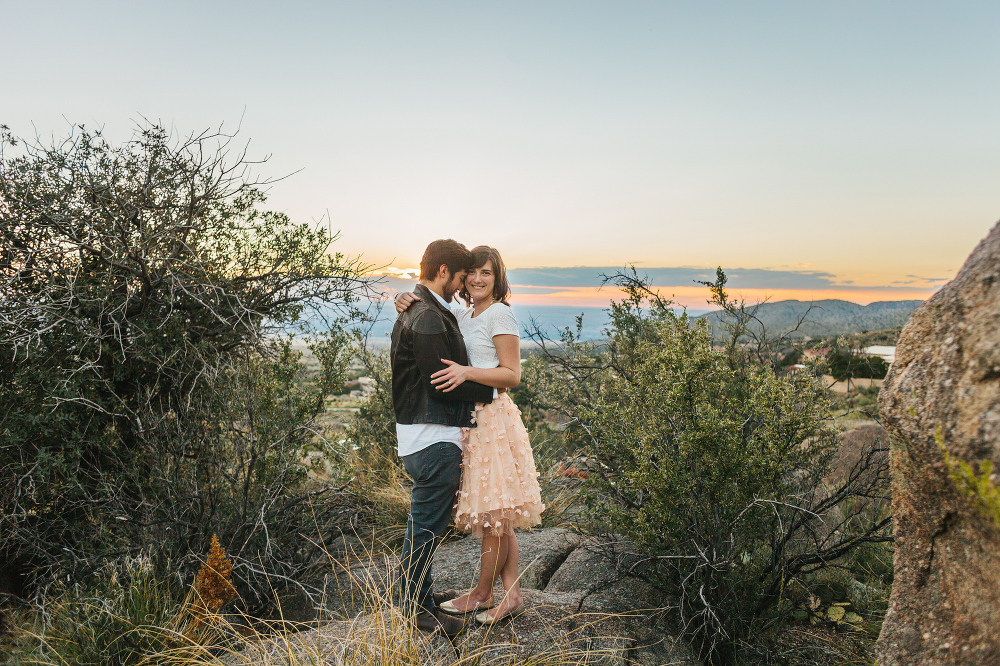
(510, 577)
(492, 560)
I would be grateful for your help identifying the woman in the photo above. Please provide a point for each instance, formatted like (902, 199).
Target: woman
(499, 488)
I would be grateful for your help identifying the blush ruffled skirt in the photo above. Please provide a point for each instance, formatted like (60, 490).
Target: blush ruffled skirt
(499, 490)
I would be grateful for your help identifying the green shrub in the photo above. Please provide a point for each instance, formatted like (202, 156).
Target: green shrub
(151, 395)
(843, 364)
(711, 465)
(372, 432)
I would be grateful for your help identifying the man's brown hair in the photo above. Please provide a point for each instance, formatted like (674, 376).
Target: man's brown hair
(451, 253)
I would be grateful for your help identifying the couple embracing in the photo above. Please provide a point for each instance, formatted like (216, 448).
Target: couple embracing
(460, 436)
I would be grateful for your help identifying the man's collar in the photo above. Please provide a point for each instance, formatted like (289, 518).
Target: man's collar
(440, 299)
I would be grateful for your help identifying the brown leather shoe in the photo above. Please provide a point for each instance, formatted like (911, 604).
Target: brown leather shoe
(447, 595)
(438, 621)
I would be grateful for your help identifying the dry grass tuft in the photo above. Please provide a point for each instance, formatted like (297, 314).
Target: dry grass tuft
(141, 624)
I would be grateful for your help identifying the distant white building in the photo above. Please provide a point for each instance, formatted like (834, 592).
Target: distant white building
(367, 387)
(888, 354)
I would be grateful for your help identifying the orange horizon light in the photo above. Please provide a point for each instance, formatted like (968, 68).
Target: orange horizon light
(696, 297)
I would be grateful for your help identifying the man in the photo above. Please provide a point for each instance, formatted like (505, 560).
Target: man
(429, 422)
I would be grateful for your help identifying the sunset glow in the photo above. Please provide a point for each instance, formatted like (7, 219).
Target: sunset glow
(690, 296)
(695, 297)
(853, 143)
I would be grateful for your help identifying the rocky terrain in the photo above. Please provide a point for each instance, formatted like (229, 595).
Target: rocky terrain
(577, 608)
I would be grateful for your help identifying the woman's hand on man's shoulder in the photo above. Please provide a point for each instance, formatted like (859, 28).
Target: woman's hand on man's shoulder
(404, 300)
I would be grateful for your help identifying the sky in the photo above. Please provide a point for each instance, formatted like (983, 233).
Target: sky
(813, 150)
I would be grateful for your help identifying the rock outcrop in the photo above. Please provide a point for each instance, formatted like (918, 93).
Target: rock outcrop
(591, 573)
(941, 402)
(578, 609)
(549, 631)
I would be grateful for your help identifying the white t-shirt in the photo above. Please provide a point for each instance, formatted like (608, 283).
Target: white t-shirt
(478, 332)
(413, 437)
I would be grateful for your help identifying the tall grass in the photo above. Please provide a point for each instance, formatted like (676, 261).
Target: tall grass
(122, 617)
(131, 618)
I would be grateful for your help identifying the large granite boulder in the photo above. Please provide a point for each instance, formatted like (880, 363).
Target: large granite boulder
(358, 578)
(855, 445)
(594, 571)
(941, 402)
(554, 630)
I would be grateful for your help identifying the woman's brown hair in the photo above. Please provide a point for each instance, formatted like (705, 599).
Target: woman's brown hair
(501, 288)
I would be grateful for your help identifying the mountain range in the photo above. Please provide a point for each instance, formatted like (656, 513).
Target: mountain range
(827, 317)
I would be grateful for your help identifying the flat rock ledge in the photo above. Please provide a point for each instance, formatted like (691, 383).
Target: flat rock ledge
(577, 611)
(548, 632)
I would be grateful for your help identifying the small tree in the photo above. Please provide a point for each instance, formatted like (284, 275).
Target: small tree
(845, 363)
(743, 333)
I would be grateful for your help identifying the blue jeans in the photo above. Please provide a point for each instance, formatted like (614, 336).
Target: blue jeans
(436, 473)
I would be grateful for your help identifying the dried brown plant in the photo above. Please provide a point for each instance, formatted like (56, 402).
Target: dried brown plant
(214, 582)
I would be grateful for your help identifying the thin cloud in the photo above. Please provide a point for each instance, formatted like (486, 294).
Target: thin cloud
(917, 277)
(550, 280)
(582, 285)
(739, 278)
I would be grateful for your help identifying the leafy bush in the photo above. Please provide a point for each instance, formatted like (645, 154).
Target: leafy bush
(372, 432)
(844, 364)
(151, 396)
(711, 465)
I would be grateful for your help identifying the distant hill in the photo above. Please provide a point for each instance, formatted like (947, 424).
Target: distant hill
(828, 317)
